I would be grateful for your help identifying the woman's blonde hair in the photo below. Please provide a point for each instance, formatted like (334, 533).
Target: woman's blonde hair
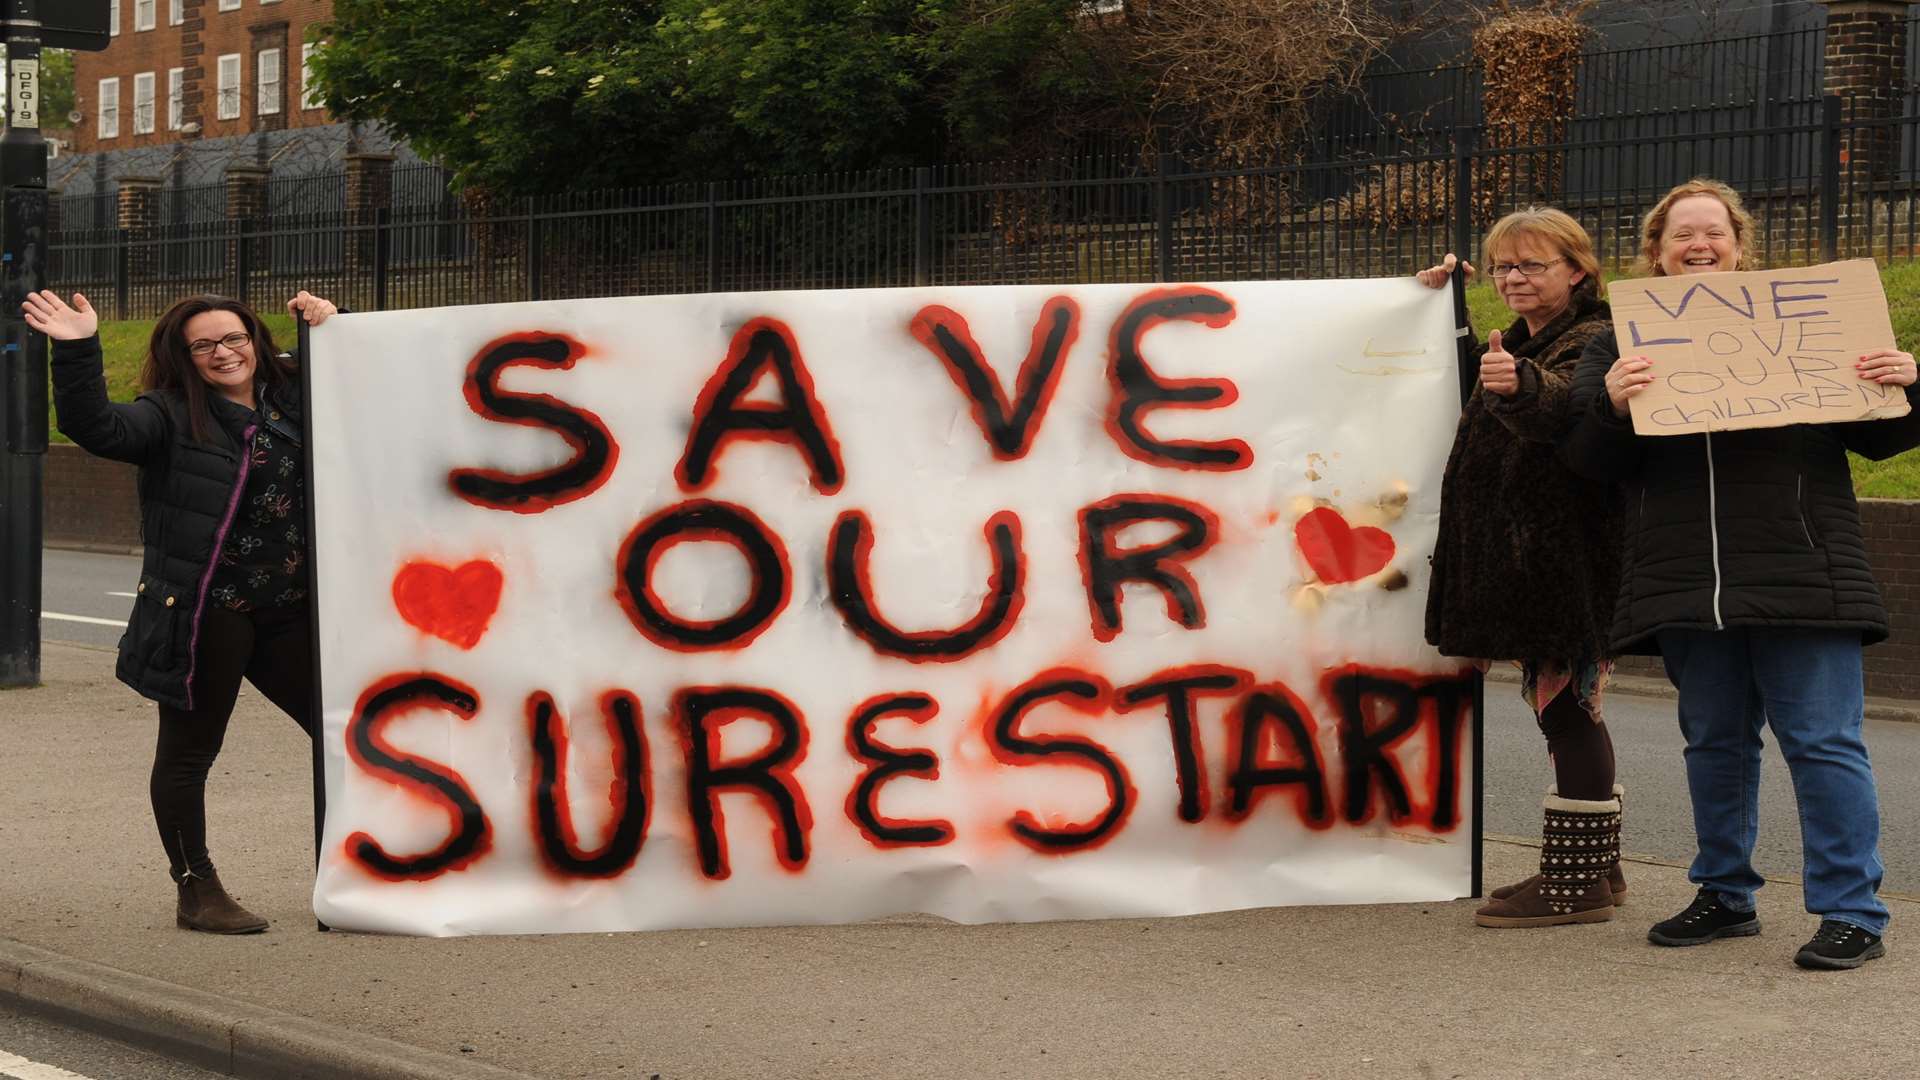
(1555, 227)
(1655, 223)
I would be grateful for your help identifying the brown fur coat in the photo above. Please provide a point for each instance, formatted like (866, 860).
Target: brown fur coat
(1527, 562)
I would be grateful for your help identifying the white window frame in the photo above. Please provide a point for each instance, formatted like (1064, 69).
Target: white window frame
(107, 120)
(143, 103)
(144, 12)
(229, 5)
(307, 98)
(227, 93)
(176, 12)
(113, 18)
(266, 100)
(176, 98)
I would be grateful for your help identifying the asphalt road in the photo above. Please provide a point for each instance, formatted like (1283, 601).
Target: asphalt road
(83, 586)
(30, 1047)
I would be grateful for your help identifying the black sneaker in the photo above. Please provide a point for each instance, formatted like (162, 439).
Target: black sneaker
(1704, 920)
(1838, 946)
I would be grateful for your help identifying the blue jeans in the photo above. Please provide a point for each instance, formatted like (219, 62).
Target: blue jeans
(1807, 685)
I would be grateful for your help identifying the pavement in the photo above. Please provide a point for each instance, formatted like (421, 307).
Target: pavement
(1407, 990)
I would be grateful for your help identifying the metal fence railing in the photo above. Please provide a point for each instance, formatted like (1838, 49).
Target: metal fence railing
(1829, 184)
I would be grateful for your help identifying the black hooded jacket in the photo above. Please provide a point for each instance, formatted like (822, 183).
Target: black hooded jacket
(189, 491)
(1756, 527)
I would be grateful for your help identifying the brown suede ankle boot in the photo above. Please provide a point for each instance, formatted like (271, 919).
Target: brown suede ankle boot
(205, 906)
(1579, 842)
(1616, 880)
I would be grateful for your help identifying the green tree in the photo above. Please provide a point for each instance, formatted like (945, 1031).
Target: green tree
(548, 95)
(56, 87)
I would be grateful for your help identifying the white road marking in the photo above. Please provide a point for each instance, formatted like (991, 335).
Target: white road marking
(21, 1069)
(88, 619)
(128, 595)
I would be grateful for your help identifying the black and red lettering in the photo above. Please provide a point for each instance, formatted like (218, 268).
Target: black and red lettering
(629, 798)
(1008, 426)
(699, 713)
(1082, 692)
(594, 451)
(1276, 708)
(432, 782)
(1137, 389)
(886, 763)
(770, 575)
(848, 550)
(1104, 568)
(799, 420)
(1179, 688)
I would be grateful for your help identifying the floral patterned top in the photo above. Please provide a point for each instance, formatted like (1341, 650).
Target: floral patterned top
(263, 563)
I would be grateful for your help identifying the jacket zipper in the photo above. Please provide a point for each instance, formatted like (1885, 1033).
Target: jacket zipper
(1800, 507)
(219, 541)
(1713, 532)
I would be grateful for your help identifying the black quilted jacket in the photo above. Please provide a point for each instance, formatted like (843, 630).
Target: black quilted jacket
(188, 494)
(1757, 527)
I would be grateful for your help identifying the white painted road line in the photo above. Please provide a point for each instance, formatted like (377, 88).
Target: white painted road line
(88, 619)
(128, 595)
(21, 1069)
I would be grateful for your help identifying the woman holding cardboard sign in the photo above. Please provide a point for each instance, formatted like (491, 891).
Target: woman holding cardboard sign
(1527, 559)
(222, 596)
(1748, 575)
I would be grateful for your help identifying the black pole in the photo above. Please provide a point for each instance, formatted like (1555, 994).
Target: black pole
(23, 389)
(318, 701)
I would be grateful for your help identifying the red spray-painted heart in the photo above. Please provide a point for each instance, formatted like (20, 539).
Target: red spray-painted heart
(453, 605)
(1337, 551)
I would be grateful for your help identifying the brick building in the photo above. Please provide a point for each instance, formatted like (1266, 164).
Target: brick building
(185, 69)
(188, 90)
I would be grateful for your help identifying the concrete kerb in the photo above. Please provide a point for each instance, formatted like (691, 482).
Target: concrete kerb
(214, 1032)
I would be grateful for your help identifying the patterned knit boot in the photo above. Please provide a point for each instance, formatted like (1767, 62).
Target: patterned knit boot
(1578, 842)
(1616, 880)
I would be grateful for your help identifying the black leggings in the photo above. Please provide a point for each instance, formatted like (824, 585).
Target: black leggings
(1581, 749)
(270, 648)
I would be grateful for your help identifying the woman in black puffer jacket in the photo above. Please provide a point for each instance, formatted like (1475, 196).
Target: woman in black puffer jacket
(1745, 570)
(223, 583)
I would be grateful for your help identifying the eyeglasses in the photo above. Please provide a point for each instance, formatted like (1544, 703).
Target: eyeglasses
(234, 342)
(1530, 268)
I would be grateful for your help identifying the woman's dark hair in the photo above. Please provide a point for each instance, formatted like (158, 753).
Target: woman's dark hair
(169, 365)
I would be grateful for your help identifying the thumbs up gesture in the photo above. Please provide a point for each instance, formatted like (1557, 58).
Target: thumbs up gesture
(1497, 372)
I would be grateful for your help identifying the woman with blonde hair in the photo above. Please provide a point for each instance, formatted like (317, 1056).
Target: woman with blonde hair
(1747, 574)
(1527, 560)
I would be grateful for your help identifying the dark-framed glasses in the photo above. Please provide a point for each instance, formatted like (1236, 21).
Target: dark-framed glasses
(234, 342)
(1530, 268)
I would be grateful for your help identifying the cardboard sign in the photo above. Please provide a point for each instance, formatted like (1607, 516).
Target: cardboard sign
(1758, 348)
(999, 603)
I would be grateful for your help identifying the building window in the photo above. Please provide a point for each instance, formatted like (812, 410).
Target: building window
(176, 97)
(109, 122)
(309, 93)
(176, 12)
(143, 14)
(143, 103)
(266, 71)
(229, 5)
(228, 94)
(113, 18)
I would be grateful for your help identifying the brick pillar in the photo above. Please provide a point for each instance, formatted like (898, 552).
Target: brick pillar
(369, 190)
(246, 211)
(1866, 67)
(137, 217)
(194, 112)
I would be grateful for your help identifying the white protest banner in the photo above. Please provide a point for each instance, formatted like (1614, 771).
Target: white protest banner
(994, 603)
(1759, 348)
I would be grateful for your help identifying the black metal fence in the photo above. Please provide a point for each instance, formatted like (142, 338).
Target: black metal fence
(1103, 218)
